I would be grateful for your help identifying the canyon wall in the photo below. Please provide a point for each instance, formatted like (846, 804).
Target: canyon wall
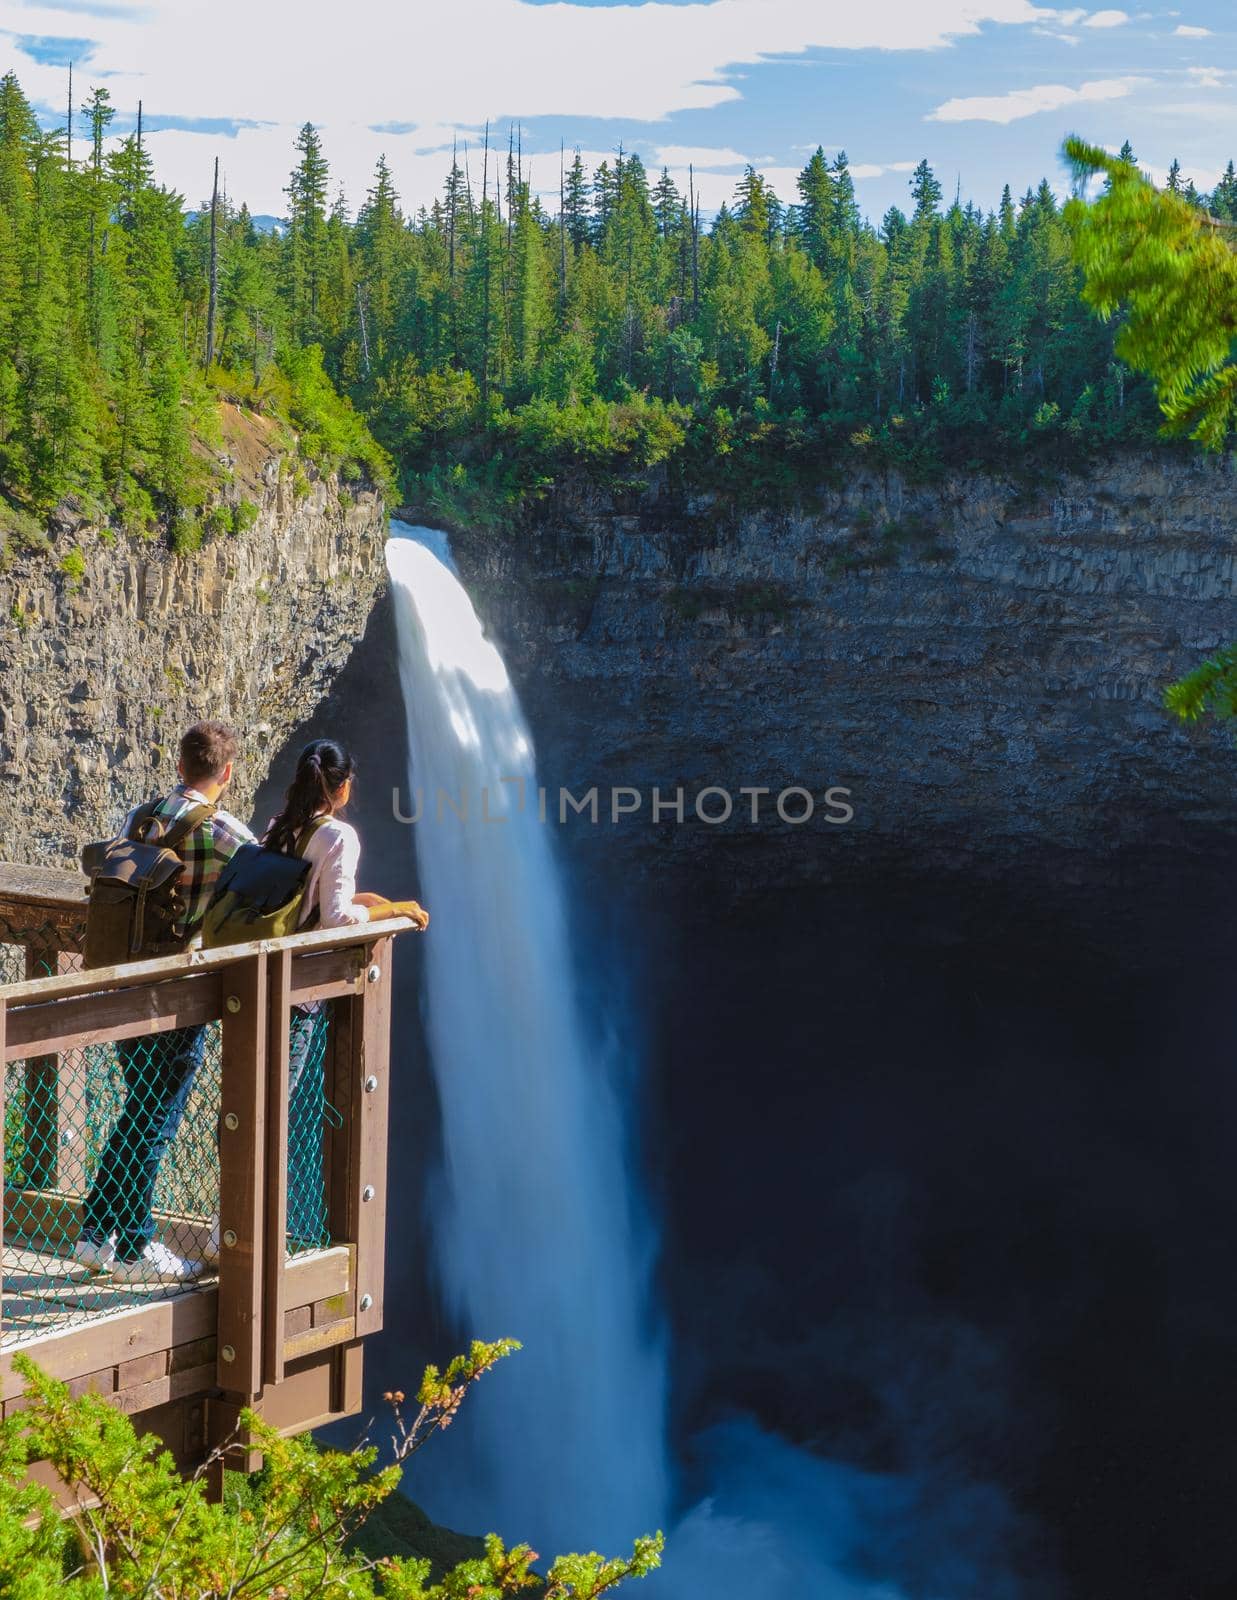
(980, 664)
(103, 664)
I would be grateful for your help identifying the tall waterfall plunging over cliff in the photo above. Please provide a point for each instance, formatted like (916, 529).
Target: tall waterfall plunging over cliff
(534, 1230)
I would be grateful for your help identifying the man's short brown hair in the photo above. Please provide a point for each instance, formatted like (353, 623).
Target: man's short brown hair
(206, 749)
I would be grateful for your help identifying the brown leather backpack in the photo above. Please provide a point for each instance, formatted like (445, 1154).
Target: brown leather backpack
(135, 904)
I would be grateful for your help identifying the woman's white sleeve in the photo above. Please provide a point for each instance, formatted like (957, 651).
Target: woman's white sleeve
(337, 883)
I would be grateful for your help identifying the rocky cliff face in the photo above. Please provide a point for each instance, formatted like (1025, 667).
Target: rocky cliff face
(980, 666)
(103, 666)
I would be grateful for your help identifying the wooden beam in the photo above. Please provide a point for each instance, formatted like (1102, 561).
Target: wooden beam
(324, 1273)
(131, 973)
(275, 1248)
(42, 886)
(326, 974)
(324, 1338)
(242, 1157)
(307, 1397)
(349, 1373)
(159, 1391)
(116, 1338)
(73, 1022)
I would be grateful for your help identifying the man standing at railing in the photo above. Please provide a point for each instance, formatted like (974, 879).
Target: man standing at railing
(117, 1222)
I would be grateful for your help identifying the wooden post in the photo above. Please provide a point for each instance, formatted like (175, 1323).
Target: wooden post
(279, 984)
(40, 1163)
(369, 1133)
(357, 1155)
(242, 1154)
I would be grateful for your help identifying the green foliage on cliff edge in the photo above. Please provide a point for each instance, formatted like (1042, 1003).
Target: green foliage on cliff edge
(290, 1532)
(106, 397)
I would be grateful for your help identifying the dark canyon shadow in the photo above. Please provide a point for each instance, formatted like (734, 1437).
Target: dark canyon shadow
(945, 1178)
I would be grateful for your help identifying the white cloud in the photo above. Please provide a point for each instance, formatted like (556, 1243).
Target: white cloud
(1185, 31)
(1106, 19)
(868, 169)
(683, 155)
(1020, 103)
(283, 61)
(1209, 77)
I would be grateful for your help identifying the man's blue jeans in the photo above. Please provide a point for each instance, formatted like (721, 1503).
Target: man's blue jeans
(159, 1071)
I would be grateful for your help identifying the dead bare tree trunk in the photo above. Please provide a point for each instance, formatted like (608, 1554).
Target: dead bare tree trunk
(562, 224)
(455, 185)
(212, 304)
(695, 210)
(360, 306)
(485, 269)
(972, 351)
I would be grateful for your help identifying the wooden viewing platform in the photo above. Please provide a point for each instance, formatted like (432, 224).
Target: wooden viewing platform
(275, 1326)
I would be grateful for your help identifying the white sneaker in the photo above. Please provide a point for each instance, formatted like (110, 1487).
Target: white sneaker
(98, 1257)
(157, 1262)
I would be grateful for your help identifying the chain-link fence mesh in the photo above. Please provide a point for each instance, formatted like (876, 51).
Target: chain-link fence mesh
(111, 1166)
(309, 1111)
(111, 1177)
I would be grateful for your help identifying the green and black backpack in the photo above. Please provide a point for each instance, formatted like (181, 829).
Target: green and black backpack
(259, 894)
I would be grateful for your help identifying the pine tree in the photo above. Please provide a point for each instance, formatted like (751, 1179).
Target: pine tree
(577, 204)
(815, 215)
(1224, 200)
(379, 242)
(306, 251)
(926, 192)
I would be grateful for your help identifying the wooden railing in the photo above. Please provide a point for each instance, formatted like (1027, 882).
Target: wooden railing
(280, 1332)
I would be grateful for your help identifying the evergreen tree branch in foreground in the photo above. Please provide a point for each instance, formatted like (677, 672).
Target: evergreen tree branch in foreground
(143, 1530)
(1171, 268)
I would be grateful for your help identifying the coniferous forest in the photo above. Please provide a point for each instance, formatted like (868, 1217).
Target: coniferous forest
(464, 355)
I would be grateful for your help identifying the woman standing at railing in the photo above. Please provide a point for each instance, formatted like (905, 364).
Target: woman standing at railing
(311, 825)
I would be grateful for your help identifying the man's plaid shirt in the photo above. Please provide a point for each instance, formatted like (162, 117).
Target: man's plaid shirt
(213, 842)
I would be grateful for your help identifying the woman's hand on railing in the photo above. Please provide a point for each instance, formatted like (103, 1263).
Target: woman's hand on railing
(380, 908)
(409, 908)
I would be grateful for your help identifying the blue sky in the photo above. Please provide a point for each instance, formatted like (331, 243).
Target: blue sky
(985, 89)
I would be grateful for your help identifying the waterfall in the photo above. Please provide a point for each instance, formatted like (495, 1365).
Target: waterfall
(535, 1235)
(535, 1232)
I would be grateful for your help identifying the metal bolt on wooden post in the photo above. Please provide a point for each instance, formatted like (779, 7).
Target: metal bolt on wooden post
(242, 1158)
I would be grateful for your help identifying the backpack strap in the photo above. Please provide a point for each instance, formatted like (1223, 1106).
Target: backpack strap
(142, 818)
(184, 826)
(302, 844)
(308, 831)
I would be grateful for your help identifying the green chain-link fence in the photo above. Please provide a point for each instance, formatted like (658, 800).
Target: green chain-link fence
(111, 1167)
(309, 1112)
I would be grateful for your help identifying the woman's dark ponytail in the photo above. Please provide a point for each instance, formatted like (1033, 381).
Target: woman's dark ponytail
(321, 772)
